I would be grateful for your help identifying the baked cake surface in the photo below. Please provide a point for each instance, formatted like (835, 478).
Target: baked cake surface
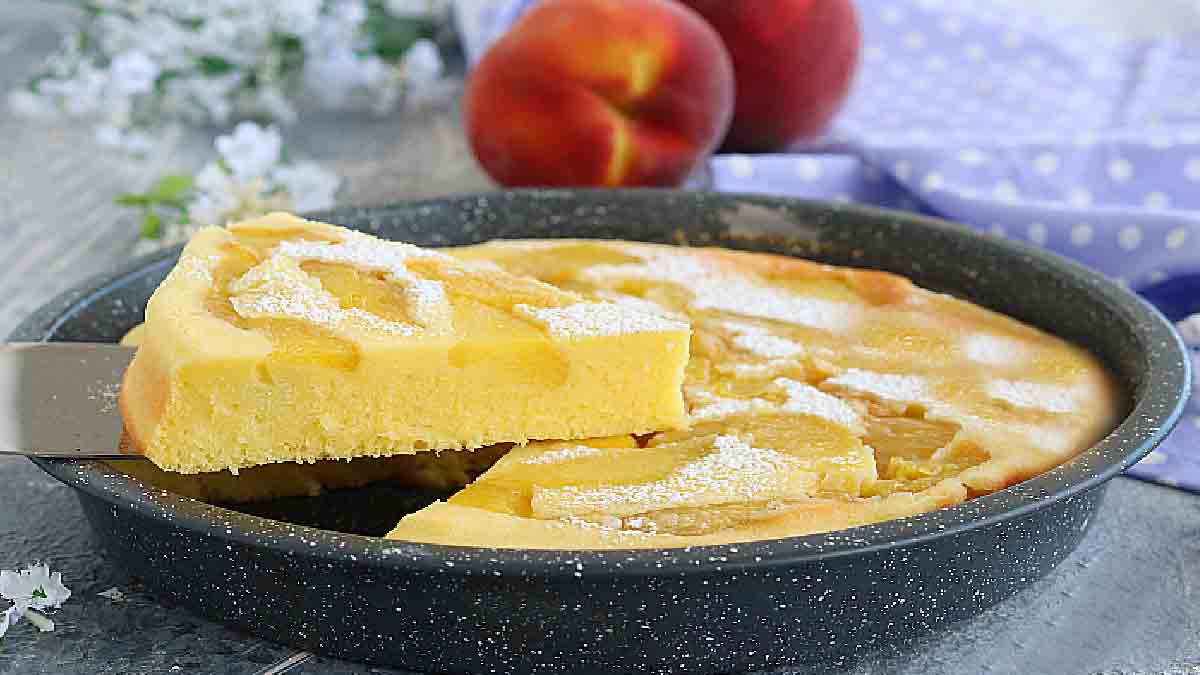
(280, 339)
(821, 398)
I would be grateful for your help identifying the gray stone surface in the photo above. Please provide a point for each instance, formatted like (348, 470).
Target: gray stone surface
(1126, 601)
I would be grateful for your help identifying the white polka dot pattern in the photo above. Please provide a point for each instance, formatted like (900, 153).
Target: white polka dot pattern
(978, 116)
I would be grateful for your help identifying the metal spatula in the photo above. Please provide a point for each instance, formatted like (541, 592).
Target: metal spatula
(59, 399)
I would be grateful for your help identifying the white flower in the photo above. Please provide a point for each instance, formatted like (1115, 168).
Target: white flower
(298, 16)
(213, 180)
(309, 187)
(80, 96)
(422, 63)
(11, 617)
(108, 136)
(212, 95)
(227, 58)
(117, 33)
(165, 40)
(133, 72)
(333, 75)
(216, 196)
(384, 82)
(349, 13)
(273, 102)
(207, 210)
(250, 150)
(34, 588)
(221, 197)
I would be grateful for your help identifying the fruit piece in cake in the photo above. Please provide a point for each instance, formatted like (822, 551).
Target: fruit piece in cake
(280, 339)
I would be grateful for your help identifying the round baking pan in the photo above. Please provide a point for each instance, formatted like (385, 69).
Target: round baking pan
(811, 599)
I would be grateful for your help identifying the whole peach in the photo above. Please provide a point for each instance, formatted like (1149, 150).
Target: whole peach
(600, 93)
(793, 60)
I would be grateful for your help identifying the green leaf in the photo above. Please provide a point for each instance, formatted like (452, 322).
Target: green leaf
(39, 593)
(35, 82)
(151, 225)
(131, 199)
(291, 52)
(166, 76)
(287, 42)
(214, 65)
(170, 188)
(391, 36)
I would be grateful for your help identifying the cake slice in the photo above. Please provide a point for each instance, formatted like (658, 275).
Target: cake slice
(442, 471)
(280, 339)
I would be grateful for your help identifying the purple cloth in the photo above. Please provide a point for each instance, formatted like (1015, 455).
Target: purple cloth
(1025, 127)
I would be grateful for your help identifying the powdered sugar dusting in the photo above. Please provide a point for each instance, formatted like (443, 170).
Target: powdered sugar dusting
(278, 288)
(755, 370)
(806, 399)
(884, 386)
(995, 350)
(802, 399)
(717, 289)
(376, 323)
(562, 455)
(1050, 439)
(427, 302)
(733, 472)
(611, 529)
(586, 319)
(761, 342)
(640, 305)
(198, 268)
(720, 408)
(360, 250)
(1048, 397)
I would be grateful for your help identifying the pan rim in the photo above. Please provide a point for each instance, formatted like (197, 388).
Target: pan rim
(1155, 411)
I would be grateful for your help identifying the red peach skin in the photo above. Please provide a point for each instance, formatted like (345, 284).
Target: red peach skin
(794, 61)
(600, 93)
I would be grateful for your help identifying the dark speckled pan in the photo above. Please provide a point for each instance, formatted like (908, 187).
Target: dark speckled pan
(719, 609)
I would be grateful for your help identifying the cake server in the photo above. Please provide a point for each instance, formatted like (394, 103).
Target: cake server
(59, 399)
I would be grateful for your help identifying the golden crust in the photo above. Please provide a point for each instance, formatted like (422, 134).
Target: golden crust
(144, 408)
